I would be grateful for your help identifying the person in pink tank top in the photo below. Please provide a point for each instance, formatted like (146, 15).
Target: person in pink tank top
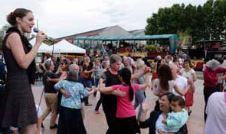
(125, 114)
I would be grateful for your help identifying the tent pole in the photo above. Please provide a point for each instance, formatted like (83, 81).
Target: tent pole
(53, 50)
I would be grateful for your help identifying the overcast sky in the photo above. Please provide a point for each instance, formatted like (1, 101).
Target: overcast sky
(65, 17)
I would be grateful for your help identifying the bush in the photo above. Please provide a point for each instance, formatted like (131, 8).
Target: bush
(152, 48)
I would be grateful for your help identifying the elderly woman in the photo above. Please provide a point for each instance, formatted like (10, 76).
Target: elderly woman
(70, 119)
(140, 94)
(210, 72)
(155, 121)
(128, 63)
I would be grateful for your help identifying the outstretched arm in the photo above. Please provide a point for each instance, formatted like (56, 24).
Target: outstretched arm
(110, 90)
(103, 89)
(144, 86)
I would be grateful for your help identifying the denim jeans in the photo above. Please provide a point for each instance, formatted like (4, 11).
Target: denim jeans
(139, 99)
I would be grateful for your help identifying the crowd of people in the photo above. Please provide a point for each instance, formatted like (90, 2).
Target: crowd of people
(111, 71)
(122, 82)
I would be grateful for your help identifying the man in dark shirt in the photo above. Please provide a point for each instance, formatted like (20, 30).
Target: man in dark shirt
(86, 76)
(48, 83)
(49, 80)
(110, 101)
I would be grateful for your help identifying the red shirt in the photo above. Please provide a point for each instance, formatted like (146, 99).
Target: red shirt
(210, 76)
(154, 75)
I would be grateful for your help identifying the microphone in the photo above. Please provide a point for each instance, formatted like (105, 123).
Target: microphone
(36, 30)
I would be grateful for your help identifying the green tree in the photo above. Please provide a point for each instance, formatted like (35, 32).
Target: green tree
(200, 22)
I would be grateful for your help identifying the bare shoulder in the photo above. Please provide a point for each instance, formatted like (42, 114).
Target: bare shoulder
(14, 35)
(13, 38)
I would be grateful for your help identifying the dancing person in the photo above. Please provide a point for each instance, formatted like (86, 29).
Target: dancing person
(126, 122)
(70, 119)
(105, 66)
(109, 102)
(210, 72)
(190, 74)
(19, 56)
(97, 72)
(49, 80)
(219, 75)
(87, 70)
(180, 81)
(62, 71)
(127, 62)
(140, 94)
(164, 83)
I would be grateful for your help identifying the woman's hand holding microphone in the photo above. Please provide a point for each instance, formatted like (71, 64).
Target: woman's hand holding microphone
(40, 37)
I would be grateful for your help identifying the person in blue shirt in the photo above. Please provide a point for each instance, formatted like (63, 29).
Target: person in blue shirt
(70, 117)
(178, 117)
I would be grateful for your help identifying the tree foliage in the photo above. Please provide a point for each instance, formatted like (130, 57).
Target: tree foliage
(2, 33)
(201, 22)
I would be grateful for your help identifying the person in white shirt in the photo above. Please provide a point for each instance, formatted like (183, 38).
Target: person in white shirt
(164, 83)
(189, 73)
(216, 111)
(180, 81)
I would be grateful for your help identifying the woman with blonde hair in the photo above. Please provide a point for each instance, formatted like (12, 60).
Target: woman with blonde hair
(139, 94)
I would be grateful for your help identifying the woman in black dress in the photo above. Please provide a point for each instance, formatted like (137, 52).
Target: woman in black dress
(19, 56)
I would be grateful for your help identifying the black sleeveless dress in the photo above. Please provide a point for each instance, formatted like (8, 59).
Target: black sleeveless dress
(20, 109)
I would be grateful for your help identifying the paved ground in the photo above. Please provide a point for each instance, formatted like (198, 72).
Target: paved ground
(96, 124)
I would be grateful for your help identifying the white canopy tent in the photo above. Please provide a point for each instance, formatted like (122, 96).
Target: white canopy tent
(43, 48)
(64, 46)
